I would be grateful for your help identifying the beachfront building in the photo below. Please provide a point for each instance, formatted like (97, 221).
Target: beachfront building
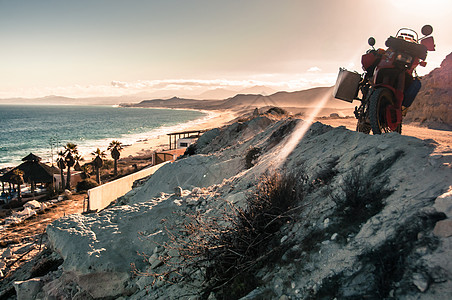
(178, 142)
(76, 177)
(34, 173)
(185, 136)
(186, 142)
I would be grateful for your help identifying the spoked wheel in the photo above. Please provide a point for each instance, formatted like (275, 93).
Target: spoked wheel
(378, 104)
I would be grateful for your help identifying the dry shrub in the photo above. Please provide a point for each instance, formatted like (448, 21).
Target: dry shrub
(361, 197)
(191, 150)
(251, 157)
(326, 173)
(86, 184)
(277, 111)
(249, 238)
(45, 264)
(230, 248)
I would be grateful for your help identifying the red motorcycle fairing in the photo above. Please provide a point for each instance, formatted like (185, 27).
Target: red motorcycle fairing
(387, 75)
(393, 117)
(367, 60)
(429, 43)
(387, 61)
(371, 59)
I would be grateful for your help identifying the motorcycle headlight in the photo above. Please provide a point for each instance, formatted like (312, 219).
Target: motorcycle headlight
(405, 58)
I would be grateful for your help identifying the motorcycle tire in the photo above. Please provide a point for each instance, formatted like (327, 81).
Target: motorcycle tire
(378, 102)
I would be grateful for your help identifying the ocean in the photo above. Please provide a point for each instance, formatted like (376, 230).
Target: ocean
(45, 129)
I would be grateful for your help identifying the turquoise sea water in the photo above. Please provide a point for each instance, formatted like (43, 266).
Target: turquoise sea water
(44, 130)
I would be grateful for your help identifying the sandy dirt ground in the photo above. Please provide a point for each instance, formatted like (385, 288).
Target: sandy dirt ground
(26, 239)
(442, 137)
(38, 222)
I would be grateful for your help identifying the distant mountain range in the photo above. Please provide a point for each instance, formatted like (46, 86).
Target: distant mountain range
(134, 98)
(248, 99)
(305, 98)
(60, 100)
(225, 93)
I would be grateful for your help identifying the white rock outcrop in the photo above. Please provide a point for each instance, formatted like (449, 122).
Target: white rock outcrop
(98, 249)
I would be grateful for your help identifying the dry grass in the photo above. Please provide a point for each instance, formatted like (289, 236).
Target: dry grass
(228, 249)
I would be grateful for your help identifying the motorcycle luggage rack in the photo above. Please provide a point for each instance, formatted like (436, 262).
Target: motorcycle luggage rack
(347, 84)
(407, 34)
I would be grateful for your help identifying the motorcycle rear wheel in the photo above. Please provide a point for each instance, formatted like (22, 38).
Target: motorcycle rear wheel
(378, 103)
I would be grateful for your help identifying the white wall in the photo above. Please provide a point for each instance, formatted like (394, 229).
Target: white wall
(188, 141)
(101, 196)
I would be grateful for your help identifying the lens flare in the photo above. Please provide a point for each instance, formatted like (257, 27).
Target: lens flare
(299, 132)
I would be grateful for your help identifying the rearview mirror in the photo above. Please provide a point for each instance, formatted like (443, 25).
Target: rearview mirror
(371, 41)
(427, 30)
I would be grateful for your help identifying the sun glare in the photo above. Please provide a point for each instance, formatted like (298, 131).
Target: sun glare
(427, 8)
(299, 132)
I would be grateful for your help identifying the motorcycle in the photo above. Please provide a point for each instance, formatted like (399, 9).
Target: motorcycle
(387, 85)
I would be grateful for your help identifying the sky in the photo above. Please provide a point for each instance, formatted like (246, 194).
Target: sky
(88, 48)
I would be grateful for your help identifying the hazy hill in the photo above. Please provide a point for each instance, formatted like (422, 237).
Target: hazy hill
(305, 98)
(257, 96)
(60, 100)
(258, 89)
(216, 94)
(220, 93)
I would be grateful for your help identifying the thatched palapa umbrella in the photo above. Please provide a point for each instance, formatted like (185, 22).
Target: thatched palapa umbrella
(33, 171)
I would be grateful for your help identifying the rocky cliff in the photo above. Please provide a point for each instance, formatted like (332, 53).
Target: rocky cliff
(433, 105)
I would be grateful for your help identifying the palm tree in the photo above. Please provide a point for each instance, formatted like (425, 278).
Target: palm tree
(62, 165)
(98, 162)
(77, 166)
(70, 151)
(115, 147)
(17, 178)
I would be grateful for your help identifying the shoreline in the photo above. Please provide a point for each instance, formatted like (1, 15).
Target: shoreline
(146, 142)
(160, 142)
(156, 139)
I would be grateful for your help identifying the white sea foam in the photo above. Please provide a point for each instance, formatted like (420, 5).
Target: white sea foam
(40, 145)
(86, 147)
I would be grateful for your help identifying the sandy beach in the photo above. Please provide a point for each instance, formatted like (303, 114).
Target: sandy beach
(161, 142)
